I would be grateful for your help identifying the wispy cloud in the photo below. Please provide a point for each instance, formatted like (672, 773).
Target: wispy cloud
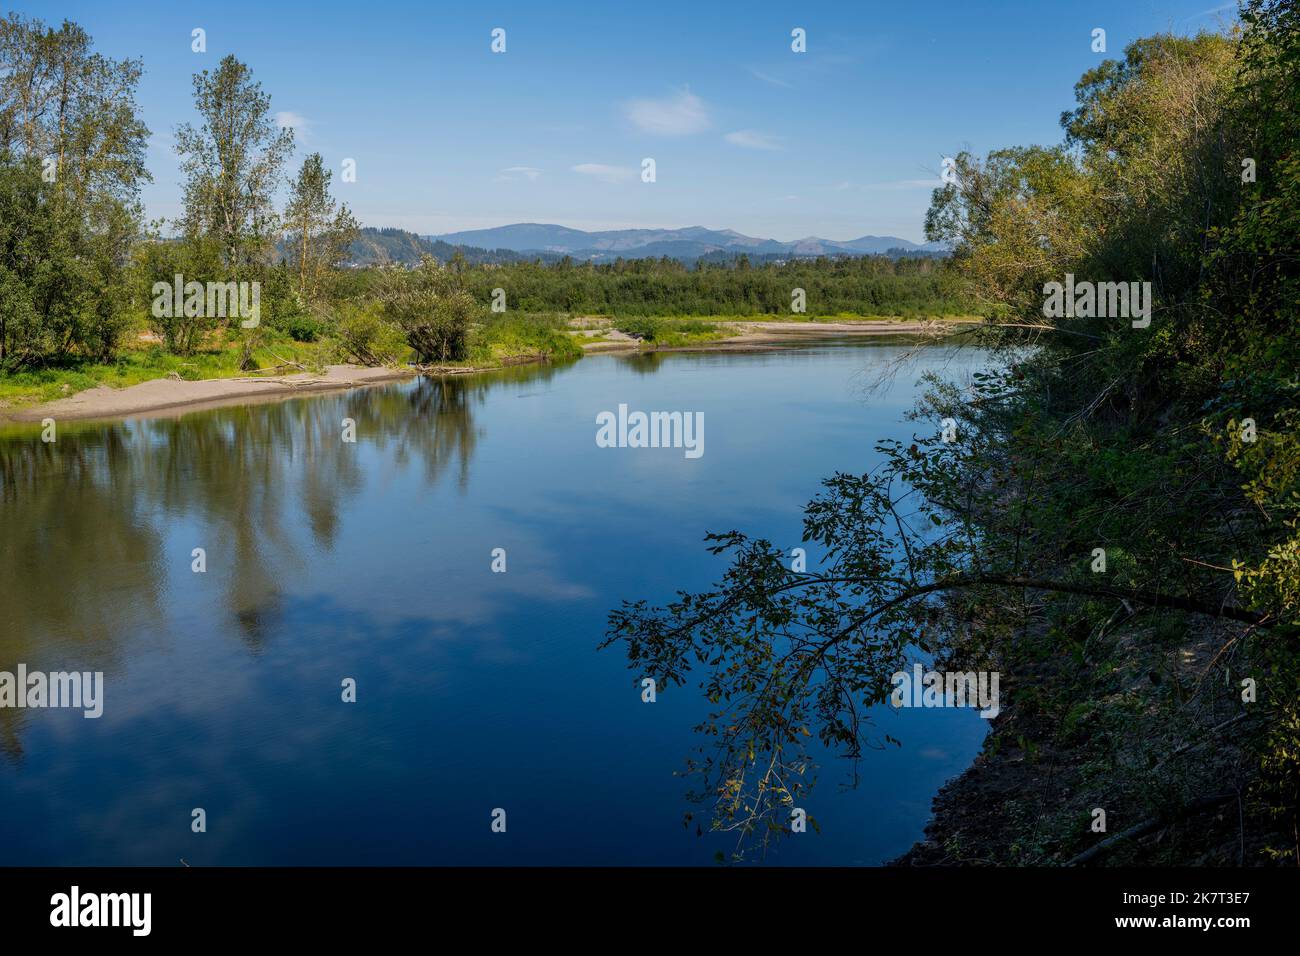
(769, 78)
(517, 173)
(608, 174)
(300, 125)
(752, 139)
(1221, 8)
(678, 115)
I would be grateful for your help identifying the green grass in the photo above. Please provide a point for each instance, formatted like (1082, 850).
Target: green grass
(499, 341)
(506, 337)
(671, 332)
(680, 331)
(143, 362)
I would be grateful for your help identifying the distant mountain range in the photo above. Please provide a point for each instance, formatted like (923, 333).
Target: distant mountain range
(689, 243)
(527, 241)
(374, 247)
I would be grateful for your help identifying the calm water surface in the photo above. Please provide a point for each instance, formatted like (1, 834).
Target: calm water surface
(371, 560)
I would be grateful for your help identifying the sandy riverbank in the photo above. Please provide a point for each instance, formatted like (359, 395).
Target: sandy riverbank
(163, 394)
(759, 333)
(168, 395)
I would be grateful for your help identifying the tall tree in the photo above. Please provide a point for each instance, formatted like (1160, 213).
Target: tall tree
(232, 162)
(72, 161)
(62, 102)
(320, 230)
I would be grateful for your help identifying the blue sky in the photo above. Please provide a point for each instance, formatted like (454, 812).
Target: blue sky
(843, 140)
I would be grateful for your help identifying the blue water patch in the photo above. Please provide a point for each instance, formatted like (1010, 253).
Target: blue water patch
(371, 560)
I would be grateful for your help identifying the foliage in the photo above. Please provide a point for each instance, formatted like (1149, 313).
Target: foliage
(232, 163)
(364, 337)
(320, 230)
(872, 285)
(1088, 433)
(432, 309)
(668, 332)
(505, 336)
(71, 164)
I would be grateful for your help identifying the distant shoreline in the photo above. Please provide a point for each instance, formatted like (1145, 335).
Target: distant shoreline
(767, 332)
(163, 397)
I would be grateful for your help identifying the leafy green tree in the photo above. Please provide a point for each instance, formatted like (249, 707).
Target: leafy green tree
(43, 285)
(432, 309)
(232, 163)
(320, 231)
(157, 259)
(72, 151)
(63, 102)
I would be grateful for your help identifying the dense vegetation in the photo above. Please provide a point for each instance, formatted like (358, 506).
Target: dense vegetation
(867, 285)
(80, 269)
(81, 273)
(1160, 683)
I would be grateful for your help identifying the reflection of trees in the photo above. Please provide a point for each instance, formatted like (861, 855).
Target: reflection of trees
(232, 470)
(432, 419)
(85, 520)
(79, 563)
(643, 363)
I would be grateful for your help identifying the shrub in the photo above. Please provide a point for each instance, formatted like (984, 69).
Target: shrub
(366, 338)
(432, 310)
(303, 328)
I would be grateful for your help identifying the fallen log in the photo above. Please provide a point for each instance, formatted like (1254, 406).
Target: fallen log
(1150, 825)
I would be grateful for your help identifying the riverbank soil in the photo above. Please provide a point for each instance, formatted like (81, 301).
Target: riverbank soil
(1141, 721)
(166, 393)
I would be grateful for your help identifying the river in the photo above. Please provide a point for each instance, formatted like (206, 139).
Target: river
(327, 559)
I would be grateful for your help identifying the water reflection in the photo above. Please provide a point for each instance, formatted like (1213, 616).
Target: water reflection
(84, 517)
(371, 560)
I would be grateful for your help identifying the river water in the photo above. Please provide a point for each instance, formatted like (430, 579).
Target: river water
(372, 560)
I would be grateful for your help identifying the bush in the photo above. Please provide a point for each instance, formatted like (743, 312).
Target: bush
(503, 336)
(432, 310)
(303, 328)
(366, 338)
(664, 331)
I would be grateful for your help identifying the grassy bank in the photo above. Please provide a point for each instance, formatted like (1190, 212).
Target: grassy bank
(685, 331)
(143, 361)
(505, 339)
(230, 354)
(671, 332)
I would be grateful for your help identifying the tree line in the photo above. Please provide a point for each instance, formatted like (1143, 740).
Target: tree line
(79, 263)
(868, 285)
